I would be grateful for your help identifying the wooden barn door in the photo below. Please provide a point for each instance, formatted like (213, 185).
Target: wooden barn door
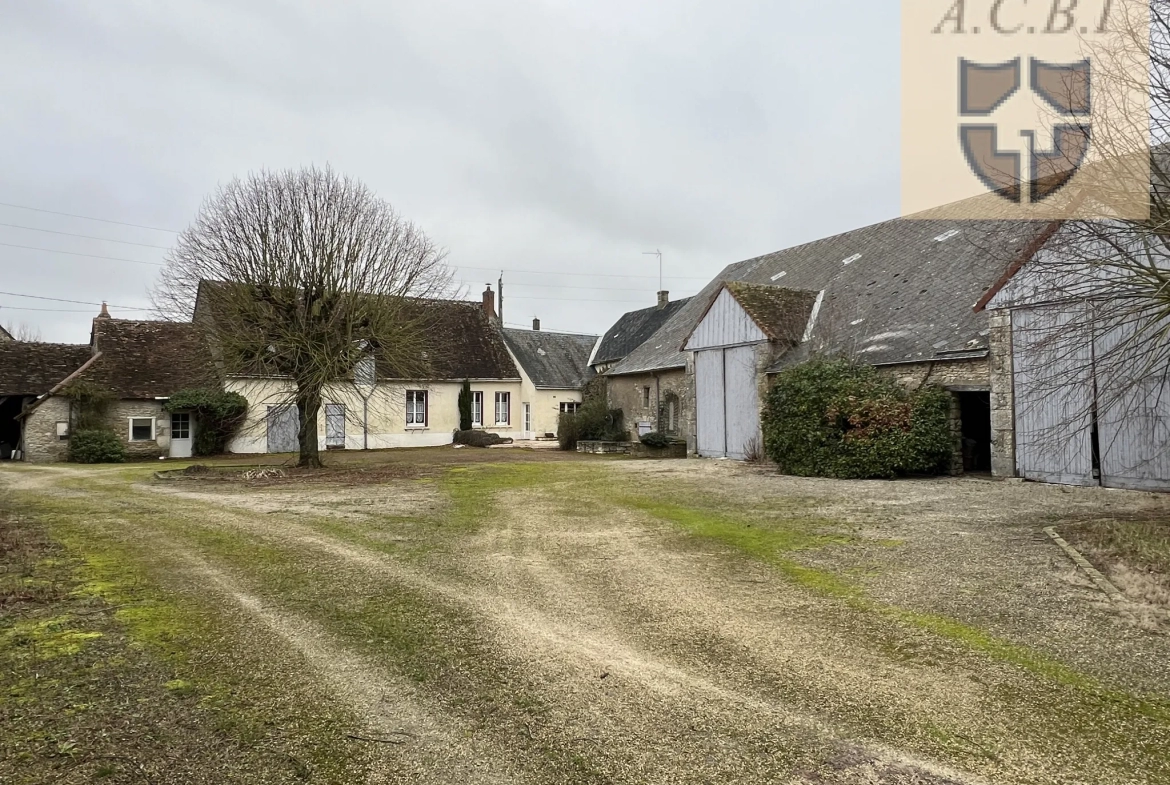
(1133, 407)
(1052, 351)
(741, 400)
(709, 404)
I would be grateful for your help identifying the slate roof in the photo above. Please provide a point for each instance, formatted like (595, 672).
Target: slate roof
(634, 329)
(556, 361)
(895, 292)
(149, 359)
(35, 368)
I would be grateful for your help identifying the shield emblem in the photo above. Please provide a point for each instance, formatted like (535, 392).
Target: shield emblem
(1063, 87)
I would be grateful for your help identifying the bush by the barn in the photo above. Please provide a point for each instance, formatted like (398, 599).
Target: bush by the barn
(593, 421)
(656, 439)
(830, 418)
(218, 415)
(472, 438)
(96, 445)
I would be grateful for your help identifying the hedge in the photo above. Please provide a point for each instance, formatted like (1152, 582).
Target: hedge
(96, 445)
(593, 421)
(829, 418)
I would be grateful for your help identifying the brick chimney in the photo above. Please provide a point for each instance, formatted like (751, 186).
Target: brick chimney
(105, 314)
(489, 302)
(535, 324)
(663, 299)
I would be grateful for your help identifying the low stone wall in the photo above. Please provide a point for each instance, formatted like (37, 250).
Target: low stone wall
(635, 449)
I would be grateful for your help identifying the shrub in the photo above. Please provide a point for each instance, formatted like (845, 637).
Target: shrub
(218, 415)
(479, 438)
(656, 439)
(594, 421)
(829, 418)
(465, 406)
(96, 445)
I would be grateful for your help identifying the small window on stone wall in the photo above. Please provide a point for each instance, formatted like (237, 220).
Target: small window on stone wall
(63, 431)
(141, 429)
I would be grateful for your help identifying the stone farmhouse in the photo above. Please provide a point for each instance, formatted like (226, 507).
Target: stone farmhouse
(654, 398)
(519, 387)
(898, 295)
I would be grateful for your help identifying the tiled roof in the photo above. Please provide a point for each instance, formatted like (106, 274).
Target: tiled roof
(782, 313)
(35, 368)
(898, 291)
(149, 359)
(553, 360)
(461, 343)
(634, 329)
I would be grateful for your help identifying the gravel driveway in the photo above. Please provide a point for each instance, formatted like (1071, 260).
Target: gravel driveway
(682, 621)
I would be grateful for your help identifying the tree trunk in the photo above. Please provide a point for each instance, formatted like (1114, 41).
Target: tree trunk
(308, 407)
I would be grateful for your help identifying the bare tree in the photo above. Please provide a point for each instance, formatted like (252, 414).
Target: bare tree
(1093, 344)
(20, 332)
(300, 276)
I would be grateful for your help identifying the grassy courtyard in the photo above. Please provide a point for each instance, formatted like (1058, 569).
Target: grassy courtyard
(518, 616)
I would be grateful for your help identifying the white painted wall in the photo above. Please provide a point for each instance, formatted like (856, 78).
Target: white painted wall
(386, 419)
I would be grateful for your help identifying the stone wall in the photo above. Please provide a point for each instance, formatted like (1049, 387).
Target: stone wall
(119, 419)
(627, 393)
(944, 373)
(40, 441)
(1003, 420)
(635, 449)
(42, 445)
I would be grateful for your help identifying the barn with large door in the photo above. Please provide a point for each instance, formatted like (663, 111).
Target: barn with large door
(745, 329)
(1089, 380)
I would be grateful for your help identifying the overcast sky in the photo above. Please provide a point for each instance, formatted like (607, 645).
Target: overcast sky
(560, 137)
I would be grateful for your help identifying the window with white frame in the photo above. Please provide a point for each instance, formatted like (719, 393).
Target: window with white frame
(141, 429)
(503, 408)
(416, 408)
(570, 407)
(63, 431)
(477, 409)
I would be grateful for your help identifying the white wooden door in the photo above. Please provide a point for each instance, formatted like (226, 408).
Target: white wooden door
(1133, 406)
(335, 426)
(527, 421)
(1052, 355)
(711, 420)
(182, 435)
(741, 400)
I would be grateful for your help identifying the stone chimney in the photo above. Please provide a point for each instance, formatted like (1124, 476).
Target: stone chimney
(535, 324)
(489, 302)
(105, 314)
(663, 299)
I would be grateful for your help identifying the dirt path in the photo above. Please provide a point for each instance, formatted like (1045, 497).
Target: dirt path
(608, 646)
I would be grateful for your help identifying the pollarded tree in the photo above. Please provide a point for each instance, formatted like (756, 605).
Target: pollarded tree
(301, 275)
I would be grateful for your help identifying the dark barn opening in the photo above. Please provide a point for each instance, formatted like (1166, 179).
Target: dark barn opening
(975, 415)
(10, 407)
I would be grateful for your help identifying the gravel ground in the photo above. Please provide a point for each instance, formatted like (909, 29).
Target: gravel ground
(637, 653)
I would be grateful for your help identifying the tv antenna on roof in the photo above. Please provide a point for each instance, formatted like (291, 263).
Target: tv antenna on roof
(659, 255)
